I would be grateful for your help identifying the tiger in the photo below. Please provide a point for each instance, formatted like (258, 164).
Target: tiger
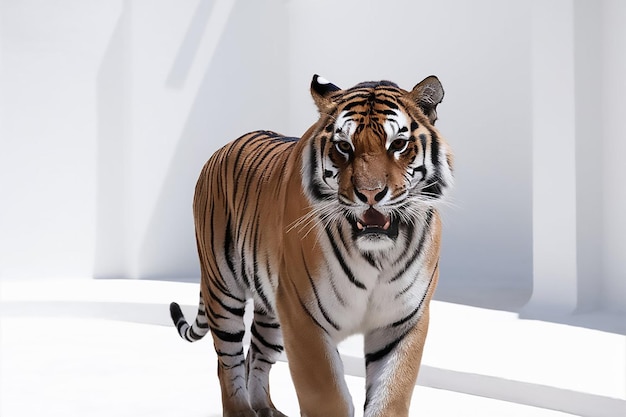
(332, 234)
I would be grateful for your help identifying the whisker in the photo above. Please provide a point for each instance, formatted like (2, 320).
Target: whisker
(302, 220)
(318, 216)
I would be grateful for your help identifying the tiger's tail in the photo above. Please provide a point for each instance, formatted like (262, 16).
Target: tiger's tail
(197, 330)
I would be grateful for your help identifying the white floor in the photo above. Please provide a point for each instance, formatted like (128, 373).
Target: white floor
(106, 348)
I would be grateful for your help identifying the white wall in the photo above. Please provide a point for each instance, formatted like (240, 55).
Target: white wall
(613, 45)
(589, 132)
(480, 50)
(51, 52)
(553, 120)
(109, 110)
(579, 58)
(187, 77)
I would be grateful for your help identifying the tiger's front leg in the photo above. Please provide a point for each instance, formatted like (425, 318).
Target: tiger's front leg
(392, 366)
(314, 362)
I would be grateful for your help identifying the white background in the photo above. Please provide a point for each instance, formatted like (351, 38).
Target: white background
(110, 108)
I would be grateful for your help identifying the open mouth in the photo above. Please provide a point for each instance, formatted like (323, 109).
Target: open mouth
(373, 221)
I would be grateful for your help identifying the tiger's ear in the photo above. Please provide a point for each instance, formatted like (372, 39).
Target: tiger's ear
(322, 90)
(427, 94)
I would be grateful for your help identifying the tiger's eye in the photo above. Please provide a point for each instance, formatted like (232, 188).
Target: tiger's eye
(398, 145)
(343, 146)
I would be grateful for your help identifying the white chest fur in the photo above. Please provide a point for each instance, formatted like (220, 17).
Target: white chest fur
(357, 294)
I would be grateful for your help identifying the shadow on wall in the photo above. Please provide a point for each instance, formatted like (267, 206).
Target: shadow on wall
(168, 249)
(113, 108)
(244, 70)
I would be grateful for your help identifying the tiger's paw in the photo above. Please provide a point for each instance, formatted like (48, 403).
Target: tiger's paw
(269, 412)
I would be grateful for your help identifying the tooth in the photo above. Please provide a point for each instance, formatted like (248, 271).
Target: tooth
(359, 225)
(386, 226)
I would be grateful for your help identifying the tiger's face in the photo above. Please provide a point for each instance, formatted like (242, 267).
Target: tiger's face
(379, 163)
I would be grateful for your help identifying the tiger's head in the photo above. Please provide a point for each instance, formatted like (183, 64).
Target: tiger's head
(376, 160)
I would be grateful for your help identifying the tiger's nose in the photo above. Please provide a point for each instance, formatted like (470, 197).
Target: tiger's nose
(371, 196)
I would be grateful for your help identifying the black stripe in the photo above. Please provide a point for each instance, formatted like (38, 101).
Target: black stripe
(180, 324)
(370, 260)
(434, 148)
(257, 279)
(261, 359)
(220, 353)
(344, 239)
(352, 104)
(282, 170)
(422, 170)
(225, 291)
(418, 250)
(315, 185)
(323, 142)
(305, 309)
(378, 355)
(434, 190)
(212, 323)
(387, 103)
(239, 312)
(251, 164)
(227, 336)
(317, 298)
(419, 306)
(410, 315)
(229, 249)
(201, 310)
(260, 338)
(211, 245)
(342, 262)
(405, 289)
(236, 365)
(354, 95)
(243, 263)
(268, 272)
(267, 325)
(215, 315)
(248, 141)
(222, 170)
(193, 335)
(202, 325)
(254, 348)
(245, 169)
(258, 356)
(423, 143)
(260, 155)
(409, 238)
(308, 313)
(285, 139)
(387, 89)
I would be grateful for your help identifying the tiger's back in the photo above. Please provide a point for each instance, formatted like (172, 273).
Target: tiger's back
(238, 213)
